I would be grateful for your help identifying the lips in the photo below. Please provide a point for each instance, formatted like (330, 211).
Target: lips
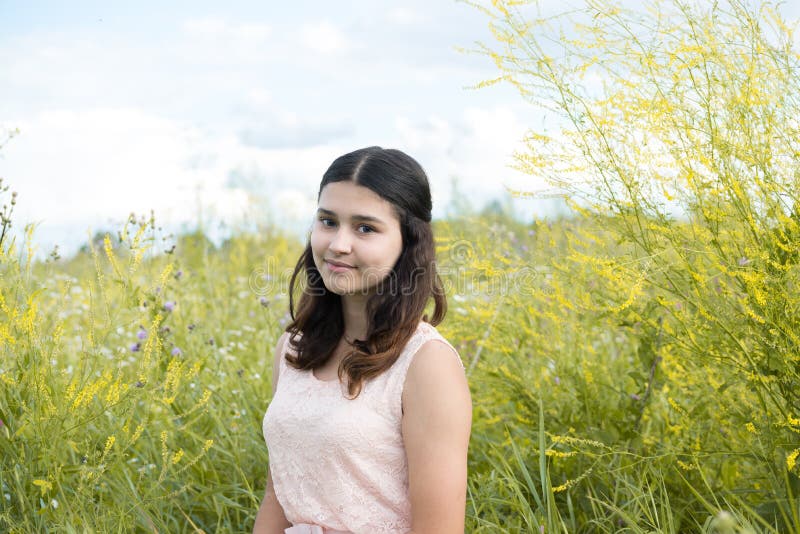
(339, 264)
(338, 267)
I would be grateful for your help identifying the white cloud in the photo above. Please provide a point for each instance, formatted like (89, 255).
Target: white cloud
(217, 28)
(72, 166)
(405, 16)
(475, 149)
(114, 122)
(105, 161)
(324, 38)
(257, 99)
(206, 26)
(299, 205)
(217, 42)
(433, 132)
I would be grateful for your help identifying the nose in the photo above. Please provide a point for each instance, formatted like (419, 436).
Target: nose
(341, 242)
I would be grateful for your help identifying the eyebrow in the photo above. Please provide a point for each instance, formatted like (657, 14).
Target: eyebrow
(367, 218)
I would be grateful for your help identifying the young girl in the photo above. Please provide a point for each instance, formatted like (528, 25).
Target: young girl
(369, 423)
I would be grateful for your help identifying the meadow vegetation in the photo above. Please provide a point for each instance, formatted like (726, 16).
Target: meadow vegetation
(634, 367)
(134, 384)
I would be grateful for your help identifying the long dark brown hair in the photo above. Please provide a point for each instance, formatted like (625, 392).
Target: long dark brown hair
(399, 300)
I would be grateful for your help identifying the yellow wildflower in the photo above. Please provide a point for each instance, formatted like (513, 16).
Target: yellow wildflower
(791, 460)
(176, 456)
(44, 485)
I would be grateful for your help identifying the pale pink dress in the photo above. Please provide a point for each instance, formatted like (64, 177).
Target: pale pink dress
(340, 463)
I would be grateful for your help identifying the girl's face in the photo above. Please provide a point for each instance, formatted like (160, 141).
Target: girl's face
(356, 238)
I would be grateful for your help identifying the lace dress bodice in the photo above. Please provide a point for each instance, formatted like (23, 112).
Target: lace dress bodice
(340, 463)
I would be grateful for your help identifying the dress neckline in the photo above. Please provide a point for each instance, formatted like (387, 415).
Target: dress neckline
(331, 381)
(336, 380)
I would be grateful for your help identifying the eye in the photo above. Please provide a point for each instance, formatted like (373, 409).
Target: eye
(328, 222)
(367, 228)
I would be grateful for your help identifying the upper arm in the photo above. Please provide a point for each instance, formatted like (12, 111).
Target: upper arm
(280, 348)
(437, 415)
(271, 517)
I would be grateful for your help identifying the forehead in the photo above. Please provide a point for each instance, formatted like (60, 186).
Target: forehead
(346, 198)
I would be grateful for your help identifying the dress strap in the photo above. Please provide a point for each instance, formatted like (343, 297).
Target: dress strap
(426, 332)
(284, 349)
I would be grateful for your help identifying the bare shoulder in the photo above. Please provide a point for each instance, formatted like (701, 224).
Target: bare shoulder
(436, 356)
(436, 374)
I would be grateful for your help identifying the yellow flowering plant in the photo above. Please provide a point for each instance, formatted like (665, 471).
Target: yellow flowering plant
(672, 133)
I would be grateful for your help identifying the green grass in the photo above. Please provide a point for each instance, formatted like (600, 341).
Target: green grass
(586, 419)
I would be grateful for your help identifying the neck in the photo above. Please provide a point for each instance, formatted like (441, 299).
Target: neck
(354, 312)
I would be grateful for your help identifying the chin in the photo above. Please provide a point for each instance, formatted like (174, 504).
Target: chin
(339, 289)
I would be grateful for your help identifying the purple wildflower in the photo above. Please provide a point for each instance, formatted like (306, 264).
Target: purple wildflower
(635, 397)
(264, 301)
(557, 380)
(743, 261)
(176, 351)
(142, 333)
(169, 305)
(178, 275)
(135, 347)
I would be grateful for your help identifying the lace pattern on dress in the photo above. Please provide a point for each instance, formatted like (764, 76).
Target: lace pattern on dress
(338, 462)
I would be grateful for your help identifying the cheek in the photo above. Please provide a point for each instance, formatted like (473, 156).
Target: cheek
(318, 245)
(393, 250)
(316, 240)
(398, 244)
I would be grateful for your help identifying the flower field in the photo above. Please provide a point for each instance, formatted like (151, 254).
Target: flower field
(134, 382)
